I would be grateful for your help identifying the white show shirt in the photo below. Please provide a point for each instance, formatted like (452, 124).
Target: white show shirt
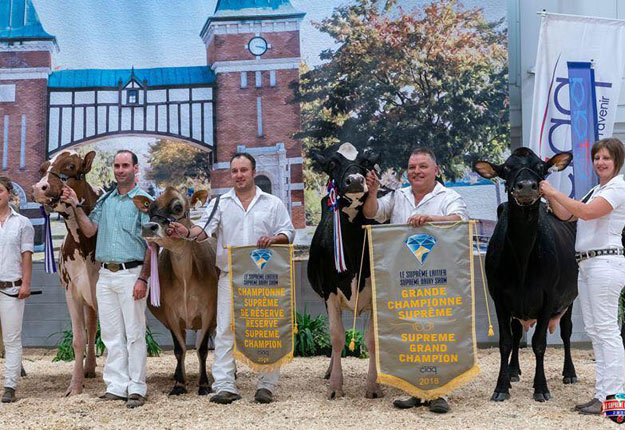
(265, 216)
(16, 236)
(604, 232)
(399, 205)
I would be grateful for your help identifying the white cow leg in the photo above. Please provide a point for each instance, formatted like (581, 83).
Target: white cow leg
(77, 316)
(337, 338)
(373, 390)
(92, 326)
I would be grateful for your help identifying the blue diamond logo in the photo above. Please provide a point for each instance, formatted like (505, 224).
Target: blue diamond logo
(421, 245)
(261, 257)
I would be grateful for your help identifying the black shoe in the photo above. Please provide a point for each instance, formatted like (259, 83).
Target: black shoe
(9, 395)
(410, 402)
(225, 398)
(439, 406)
(585, 405)
(111, 396)
(135, 401)
(263, 395)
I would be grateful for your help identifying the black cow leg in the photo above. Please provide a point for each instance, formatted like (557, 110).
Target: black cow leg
(179, 374)
(202, 353)
(502, 389)
(566, 329)
(539, 345)
(514, 368)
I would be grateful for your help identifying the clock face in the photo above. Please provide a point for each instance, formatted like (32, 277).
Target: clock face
(257, 46)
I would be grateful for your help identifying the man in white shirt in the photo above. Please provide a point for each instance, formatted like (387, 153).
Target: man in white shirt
(425, 200)
(245, 215)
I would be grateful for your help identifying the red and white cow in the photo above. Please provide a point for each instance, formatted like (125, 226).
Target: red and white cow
(78, 269)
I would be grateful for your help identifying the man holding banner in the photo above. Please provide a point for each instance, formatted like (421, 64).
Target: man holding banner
(426, 200)
(245, 215)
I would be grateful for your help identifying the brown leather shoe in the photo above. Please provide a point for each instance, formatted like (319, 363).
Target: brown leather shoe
(410, 402)
(110, 396)
(263, 395)
(225, 398)
(585, 405)
(135, 400)
(9, 395)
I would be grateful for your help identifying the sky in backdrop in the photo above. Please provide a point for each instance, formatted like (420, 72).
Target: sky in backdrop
(166, 33)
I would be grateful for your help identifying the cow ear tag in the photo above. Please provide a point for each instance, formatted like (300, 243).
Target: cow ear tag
(146, 204)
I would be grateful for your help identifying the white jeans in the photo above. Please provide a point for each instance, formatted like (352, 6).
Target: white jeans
(11, 315)
(122, 326)
(600, 281)
(223, 366)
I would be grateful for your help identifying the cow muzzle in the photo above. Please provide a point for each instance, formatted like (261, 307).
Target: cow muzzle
(354, 183)
(525, 192)
(152, 230)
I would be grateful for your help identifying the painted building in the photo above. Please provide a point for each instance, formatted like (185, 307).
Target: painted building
(239, 101)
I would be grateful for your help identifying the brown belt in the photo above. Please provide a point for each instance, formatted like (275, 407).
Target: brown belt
(9, 284)
(114, 267)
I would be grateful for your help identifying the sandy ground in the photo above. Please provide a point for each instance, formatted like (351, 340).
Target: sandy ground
(301, 401)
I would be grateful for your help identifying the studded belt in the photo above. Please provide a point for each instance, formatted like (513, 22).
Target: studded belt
(9, 284)
(584, 255)
(114, 267)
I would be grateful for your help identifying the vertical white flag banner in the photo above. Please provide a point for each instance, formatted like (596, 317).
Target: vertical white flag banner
(566, 39)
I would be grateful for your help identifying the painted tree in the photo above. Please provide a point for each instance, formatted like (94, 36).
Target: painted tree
(435, 77)
(177, 163)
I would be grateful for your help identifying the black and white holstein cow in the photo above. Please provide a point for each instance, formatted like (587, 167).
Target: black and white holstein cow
(347, 167)
(530, 268)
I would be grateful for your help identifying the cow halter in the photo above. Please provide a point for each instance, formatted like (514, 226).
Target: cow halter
(64, 178)
(507, 187)
(333, 205)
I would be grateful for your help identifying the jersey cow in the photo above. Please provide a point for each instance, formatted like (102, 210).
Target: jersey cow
(188, 280)
(530, 268)
(347, 167)
(78, 268)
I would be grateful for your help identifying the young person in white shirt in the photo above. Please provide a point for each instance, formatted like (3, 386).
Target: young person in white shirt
(600, 223)
(245, 215)
(16, 250)
(425, 200)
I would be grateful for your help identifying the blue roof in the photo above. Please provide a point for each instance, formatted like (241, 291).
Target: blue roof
(19, 21)
(227, 10)
(162, 76)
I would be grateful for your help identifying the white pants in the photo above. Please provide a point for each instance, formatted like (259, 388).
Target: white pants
(600, 281)
(11, 315)
(122, 327)
(223, 366)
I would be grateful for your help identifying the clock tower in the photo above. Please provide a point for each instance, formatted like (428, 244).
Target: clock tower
(253, 46)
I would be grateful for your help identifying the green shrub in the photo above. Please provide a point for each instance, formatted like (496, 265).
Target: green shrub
(312, 338)
(65, 350)
(360, 349)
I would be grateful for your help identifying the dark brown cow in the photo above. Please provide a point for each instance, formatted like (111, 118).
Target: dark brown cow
(188, 280)
(78, 269)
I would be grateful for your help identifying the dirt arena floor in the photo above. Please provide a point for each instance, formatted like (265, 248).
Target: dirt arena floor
(301, 402)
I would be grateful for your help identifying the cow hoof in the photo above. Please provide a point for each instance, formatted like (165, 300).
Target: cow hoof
(334, 394)
(73, 392)
(570, 379)
(204, 391)
(499, 397)
(374, 394)
(542, 397)
(178, 390)
(23, 372)
(90, 374)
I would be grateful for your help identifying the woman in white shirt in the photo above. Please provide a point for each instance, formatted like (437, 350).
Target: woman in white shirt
(16, 249)
(601, 276)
